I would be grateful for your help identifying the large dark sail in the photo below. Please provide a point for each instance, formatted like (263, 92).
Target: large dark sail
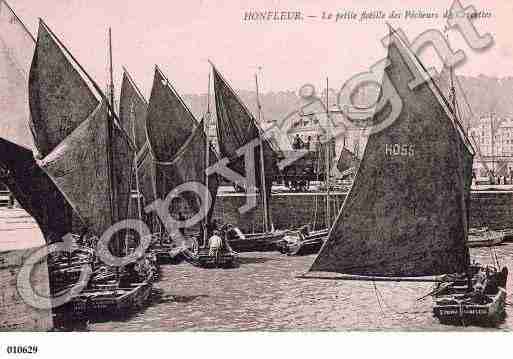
(34, 190)
(80, 166)
(146, 168)
(189, 166)
(406, 214)
(86, 153)
(133, 108)
(169, 124)
(31, 187)
(16, 50)
(60, 98)
(236, 127)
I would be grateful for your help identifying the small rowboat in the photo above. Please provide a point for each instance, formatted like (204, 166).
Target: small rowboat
(297, 243)
(112, 301)
(484, 237)
(484, 302)
(256, 242)
(202, 258)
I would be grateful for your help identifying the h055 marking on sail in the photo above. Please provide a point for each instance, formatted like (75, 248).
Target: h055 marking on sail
(397, 149)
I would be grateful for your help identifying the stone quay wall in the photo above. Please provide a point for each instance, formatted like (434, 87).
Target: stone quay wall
(15, 314)
(291, 210)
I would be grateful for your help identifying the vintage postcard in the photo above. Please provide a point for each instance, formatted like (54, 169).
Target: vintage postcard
(263, 166)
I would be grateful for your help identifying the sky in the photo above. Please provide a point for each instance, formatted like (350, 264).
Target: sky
(181, 36)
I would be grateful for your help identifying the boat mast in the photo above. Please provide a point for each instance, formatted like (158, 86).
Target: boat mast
(457, 119)
(137, 186)
(327, 159)
(263, 189)
(110, 133)
(207, 162)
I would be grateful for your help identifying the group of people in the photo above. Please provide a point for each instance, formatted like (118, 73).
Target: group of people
(299, 144)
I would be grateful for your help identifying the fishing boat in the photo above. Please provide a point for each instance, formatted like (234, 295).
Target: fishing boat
(182, 153)
(450, 85)
(30, 186)
(302, 242)
(133, 110)
(484, 237)
(454, 303)
(201, 257)
(406, 215)
(82, 147)
(236, 127)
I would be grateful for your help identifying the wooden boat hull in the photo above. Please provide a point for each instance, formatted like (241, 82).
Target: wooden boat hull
(450, 311)
(121, 301)
(257, 242)
(202, 259)
(168, 255)
(301, 245)
(487, 239)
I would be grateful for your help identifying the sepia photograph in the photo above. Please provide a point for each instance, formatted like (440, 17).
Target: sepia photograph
(272, 167)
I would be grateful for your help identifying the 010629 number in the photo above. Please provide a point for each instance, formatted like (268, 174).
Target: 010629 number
(22, 349)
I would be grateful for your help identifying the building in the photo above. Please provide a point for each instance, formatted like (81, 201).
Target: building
(492, 137)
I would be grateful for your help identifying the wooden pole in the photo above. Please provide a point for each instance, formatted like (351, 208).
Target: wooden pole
(263, 188)
(327, 165)
(137, 186)
(110, 135)
(207, 162)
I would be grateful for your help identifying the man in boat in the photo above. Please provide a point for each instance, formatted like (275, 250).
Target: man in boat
(298, 143)
(307, 144)
(214, 244)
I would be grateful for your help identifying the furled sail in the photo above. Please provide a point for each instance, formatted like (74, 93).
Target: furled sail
(169, 124)
(346, 160)
(189, 166)
(406, 214)
(16, 50)
(323, 149)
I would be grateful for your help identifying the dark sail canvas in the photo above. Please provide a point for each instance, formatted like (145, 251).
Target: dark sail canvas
(34, 191)
(406, 214)
(169, 124)
(31, 187)
(133, 108)
(236, 127)
(189, 166)
(16, 50)
(60, 98)
(80, 165)
(346, 160)
(84, 150)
